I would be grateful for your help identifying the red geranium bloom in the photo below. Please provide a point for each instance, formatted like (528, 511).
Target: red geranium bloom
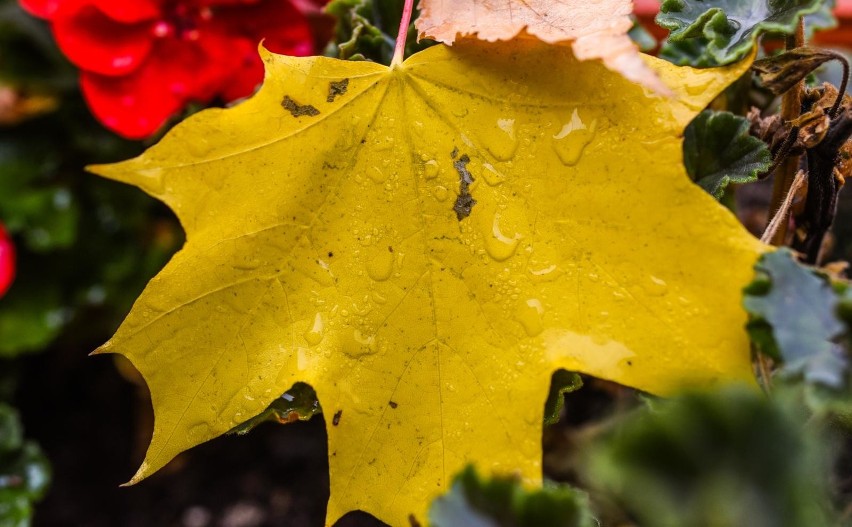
(141, 61)
(7, 261)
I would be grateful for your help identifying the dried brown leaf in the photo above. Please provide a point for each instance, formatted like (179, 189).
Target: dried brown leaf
(596, 29)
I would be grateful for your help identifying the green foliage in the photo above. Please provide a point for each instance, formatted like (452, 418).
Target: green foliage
(366, 30)
(718, 150)
(562, 382)
(24, 472)
(85, 246)
(728, 459)
(299, 403)
(793, 318)
(642, 37)
(724, 31)
(503, 502)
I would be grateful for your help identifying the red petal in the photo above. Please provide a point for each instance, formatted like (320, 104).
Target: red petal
(130, 11)
(97, 43)
(284, 28)
(7, 261)
(41, 8)
(137, 105)
(242, 59)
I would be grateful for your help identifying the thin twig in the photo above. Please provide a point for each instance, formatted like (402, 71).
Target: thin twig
(843, 83)
(791, 108)
(783, 151)
(780, 217)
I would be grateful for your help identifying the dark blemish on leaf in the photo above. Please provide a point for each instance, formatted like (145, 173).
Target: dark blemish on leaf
(392, 404)
(413, 521)
(298, 110)
(336, 419)
(455, 153)
(390, 248)
(630, 363)
(464, 202)
(337, 88)
(330, 254)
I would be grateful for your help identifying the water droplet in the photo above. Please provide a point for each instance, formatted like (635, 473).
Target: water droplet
(198, 433)
(430, 169)
(544, 273)
(499, 246)
(376, 175)
(360, 345)
(315, 332)
(441, 193)
(380, 266)
(491, 175)
(573, 139)
(503, 143)
(698, 87)
(655, 286)
(247, 264)
(529, 315)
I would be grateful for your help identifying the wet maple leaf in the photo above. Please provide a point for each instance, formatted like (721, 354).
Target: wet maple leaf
(425, 245)
(595, 30)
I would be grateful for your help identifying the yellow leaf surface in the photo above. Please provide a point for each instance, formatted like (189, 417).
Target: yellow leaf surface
(425, 245)
(596, 29)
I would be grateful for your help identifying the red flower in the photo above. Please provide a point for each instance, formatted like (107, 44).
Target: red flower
(142, 61)
(7, 261)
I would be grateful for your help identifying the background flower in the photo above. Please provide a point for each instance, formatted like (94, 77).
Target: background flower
(7, 261)
(141, 62)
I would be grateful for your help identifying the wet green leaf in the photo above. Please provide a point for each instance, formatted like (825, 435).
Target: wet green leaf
(729, 459)
(299, 403)
(24, 472)
(366, 30)
(793, 317)
(642, 37)
(503, 502)
(562, 382)
(718, 150)
(727, 30)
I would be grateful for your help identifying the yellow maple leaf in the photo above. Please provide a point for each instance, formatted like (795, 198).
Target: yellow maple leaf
(424, 245)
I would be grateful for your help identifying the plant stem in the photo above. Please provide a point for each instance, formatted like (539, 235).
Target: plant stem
(404, 22)
(791, 107)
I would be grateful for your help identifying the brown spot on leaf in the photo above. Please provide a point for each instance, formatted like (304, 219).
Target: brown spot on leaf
(336, 89)
(393, 404)
(464, 202)
(298, 110)
(336, 419)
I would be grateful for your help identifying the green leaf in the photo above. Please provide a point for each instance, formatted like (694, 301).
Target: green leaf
(366, 30)
(821, 20)
(24, 472)
(31, 316)
(793, 310)
(299, 403)
(561, 383)
(727, 30)
(718, 150)
(728, 459)
(641, 36)
(503, 502)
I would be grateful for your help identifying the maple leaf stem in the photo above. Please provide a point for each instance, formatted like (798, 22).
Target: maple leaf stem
(404, 22)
